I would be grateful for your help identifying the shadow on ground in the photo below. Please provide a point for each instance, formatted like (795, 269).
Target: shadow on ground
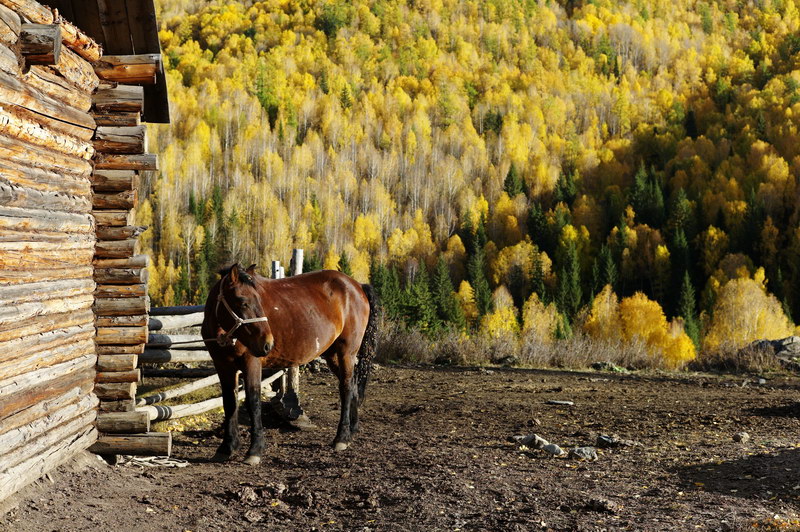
(766, 476)
(790, 410)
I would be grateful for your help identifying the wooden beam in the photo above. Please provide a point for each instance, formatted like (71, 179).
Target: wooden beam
(121, 362)
(15, 314)
(191, 342)
(115, 391)
(121, 335)
(36, 378)
(115, 248)
(19, 123)
(113, 218)
(137, 261)
(10, 26)
(178, 391)
(44, 291)
(41, 408)
(121, 275)
(120, 290)
(31, 10)
(158, 323)
(60, 413)
(121, 321)
(176, 311)
(78, 41)
(117, 119)
(124, 200)
(131, 375)
(150, 444)
(15, 478)
(130, 69)
(14, 91)
(27, 198)
(23, 219)
(121, 140)
(161, 356)
(158, 413)
(47, 80)
(44, 391)
(44, 180)
(49, 274)
(77, 71)
(147, 161)
(45, 323)
(117, 406)
(40, 44)
(123, 422)
(114, 180)
(121, 98)
(124, 306)
(136, 349)
(120, 233)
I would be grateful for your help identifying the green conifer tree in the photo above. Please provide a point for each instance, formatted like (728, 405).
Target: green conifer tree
(419, 307)
(513, 183)
(569, 294)
(447, 307)
(687, 310)
(344, 264)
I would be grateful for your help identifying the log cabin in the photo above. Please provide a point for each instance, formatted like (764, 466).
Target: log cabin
(78, 81)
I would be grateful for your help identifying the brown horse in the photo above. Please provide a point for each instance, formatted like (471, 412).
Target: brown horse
(279, 323)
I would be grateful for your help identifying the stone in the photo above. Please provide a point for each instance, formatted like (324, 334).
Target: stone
(554, 449)
(741, 437)
(533, 441)
(604, 441)
(583, 453)
(601, 504)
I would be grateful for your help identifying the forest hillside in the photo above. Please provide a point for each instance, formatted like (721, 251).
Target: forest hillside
(528, 169)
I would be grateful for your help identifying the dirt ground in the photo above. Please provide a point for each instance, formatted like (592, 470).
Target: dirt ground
(434, 454)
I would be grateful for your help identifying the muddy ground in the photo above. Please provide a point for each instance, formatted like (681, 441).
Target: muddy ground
(434, 454)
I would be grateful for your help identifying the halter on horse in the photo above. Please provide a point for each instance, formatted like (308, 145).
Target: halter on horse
(288, 322)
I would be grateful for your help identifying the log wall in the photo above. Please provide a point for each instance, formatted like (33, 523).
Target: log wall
(47, 241)
(71, 284)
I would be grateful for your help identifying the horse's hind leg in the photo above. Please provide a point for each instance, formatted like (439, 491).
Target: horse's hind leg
(230, 426)
(252, 386)
(343, 366)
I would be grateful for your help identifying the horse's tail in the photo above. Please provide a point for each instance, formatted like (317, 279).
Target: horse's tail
(369, 344)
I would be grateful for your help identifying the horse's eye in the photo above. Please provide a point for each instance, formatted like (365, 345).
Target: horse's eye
(245, 305)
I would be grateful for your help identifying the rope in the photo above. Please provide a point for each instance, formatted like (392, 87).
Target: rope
(151, 461)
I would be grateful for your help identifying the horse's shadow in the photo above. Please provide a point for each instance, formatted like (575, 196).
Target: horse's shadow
(767, 476)
(790, 410)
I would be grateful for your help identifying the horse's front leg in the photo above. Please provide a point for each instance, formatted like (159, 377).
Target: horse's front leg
(252, 386)
(230, 426)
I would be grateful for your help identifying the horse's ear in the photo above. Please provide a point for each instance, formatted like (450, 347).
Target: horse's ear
(251, 270)
(235, 272)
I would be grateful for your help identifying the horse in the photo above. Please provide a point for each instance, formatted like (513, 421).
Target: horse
(252, 322)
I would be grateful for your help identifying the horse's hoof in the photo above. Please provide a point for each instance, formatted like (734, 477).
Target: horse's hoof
(252, 460)
(340, 446)
(220, 457)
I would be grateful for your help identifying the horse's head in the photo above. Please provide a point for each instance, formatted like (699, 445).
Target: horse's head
(239, 310)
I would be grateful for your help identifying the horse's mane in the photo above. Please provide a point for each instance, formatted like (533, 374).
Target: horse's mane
(244, 277)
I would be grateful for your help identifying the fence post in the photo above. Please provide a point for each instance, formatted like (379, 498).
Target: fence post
(286, 402)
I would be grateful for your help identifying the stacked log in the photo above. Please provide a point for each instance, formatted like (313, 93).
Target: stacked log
(121, 301)
(47, 239)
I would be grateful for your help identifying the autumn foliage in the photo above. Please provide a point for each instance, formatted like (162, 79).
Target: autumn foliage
(619, 169)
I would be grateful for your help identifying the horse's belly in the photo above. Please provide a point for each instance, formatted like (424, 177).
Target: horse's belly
(298, 351)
